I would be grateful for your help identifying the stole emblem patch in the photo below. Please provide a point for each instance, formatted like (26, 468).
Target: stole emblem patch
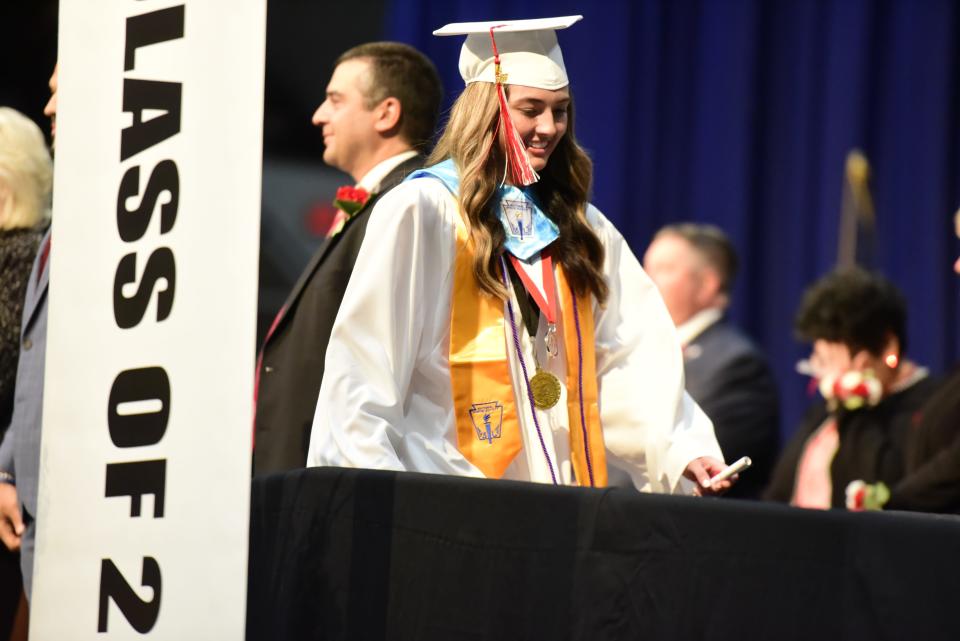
(519, 215)
(487, 419)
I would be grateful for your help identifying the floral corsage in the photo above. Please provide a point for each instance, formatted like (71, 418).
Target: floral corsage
(867, 496)
(851, 390)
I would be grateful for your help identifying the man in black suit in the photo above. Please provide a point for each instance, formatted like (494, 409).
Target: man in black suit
(694, 266)
(380, 113)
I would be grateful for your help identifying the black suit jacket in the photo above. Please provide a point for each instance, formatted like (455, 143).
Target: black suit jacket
(293, 355)
(728, 377)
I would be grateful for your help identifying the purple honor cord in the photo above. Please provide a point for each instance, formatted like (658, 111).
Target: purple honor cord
(526, 379)
(523, 366)
(583, 420)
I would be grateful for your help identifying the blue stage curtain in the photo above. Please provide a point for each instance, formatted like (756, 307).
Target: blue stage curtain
(741, 113)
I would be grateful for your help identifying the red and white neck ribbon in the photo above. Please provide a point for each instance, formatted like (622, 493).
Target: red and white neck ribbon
(547, 300)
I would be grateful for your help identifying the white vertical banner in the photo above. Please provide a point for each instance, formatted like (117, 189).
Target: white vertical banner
(143, 514)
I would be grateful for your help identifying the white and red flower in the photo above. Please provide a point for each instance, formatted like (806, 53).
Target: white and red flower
(852, 389)
(863, 496)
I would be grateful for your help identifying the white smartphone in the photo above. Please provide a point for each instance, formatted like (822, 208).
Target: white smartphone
(734, 468)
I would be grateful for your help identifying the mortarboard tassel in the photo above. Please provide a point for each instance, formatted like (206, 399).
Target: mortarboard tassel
(521, 172)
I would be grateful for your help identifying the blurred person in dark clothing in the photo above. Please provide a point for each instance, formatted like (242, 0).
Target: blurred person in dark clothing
(872, 395)
(694, 266)
(26, 178)
(932, 482)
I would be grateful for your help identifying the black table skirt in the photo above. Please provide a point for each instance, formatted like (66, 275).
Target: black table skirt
(359, 554)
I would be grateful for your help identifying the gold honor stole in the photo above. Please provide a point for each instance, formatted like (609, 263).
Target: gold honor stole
(488, 428)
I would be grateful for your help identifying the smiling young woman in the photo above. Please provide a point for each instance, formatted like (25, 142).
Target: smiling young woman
(562, 190)
(497, 324)
(540, 117)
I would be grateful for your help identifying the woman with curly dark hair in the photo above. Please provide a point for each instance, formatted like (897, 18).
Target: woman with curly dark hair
(856, 323)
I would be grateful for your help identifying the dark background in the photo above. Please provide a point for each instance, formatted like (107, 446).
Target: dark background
(739, 113)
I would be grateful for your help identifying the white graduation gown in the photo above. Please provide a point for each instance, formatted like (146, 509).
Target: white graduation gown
(386, 399)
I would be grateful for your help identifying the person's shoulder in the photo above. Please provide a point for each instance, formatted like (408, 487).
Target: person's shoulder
(906, 401)
(19, 246)
(731, 337)
(601, 225)
(596, 218)
(726, 348)
(26, 237)
(424, 189)
(917, 394)
(423, 200)
(397, 175)
(946, 396)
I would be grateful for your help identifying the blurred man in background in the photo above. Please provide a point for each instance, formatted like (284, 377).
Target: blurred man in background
(378, 118)
(694, 267)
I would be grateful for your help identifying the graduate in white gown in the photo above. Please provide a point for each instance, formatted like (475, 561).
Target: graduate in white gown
(497, 324)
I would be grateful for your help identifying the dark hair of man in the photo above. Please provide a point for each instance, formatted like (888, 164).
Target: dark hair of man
(853, 307)
(713, 245)
(400, 71)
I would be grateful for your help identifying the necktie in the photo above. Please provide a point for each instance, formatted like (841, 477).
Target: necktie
(44, 256)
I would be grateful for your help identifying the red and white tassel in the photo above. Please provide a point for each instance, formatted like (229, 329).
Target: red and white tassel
(521, 171)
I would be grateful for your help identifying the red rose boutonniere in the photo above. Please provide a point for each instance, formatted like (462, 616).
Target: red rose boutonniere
(350, 200)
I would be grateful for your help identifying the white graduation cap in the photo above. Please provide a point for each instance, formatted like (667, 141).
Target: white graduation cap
(528, 51)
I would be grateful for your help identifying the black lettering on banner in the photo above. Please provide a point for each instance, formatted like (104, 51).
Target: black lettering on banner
(151, 28)
(139, 404)
(128, 312)
(142, 615)
(164, 179)
(140, 95)
(137, 386)
(135, 479)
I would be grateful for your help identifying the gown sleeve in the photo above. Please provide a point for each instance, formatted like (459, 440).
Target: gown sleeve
(652, 427)
(387, 322)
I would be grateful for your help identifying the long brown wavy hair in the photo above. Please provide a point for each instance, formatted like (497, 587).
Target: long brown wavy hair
(562, 192)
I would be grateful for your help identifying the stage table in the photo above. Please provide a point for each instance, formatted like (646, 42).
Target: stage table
(358, 554)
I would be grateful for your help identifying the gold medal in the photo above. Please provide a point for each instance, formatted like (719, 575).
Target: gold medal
(545, 388)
